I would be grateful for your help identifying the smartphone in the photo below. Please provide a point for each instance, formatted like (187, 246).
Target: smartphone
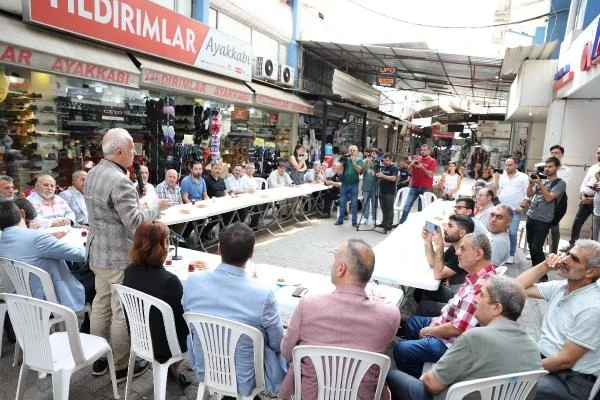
(498, 170)
(431, 227)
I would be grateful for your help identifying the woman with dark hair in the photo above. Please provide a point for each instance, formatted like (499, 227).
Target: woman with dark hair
(147, 274)
(298, 163)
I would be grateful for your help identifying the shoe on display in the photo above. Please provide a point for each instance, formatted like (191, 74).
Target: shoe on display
(510, 260)
(139, 368)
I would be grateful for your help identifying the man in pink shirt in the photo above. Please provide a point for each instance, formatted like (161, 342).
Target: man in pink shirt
(344, 318)
(422, 169)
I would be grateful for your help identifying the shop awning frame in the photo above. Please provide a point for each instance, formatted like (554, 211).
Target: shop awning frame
(29, 47)
(276, 98)
(186, 81)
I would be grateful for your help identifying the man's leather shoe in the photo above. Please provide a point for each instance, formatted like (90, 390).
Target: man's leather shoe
(338, 223)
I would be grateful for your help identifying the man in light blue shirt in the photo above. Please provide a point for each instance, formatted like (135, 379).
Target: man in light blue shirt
(44, 251)
(193, 186)
(74, 198)
(237, 183)
(228, 292)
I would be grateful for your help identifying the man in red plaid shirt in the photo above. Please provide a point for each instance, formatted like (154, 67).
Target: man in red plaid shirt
(429, 338)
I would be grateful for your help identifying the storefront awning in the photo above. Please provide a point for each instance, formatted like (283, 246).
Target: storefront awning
(25, 46)
(163, 76)
(278, 99)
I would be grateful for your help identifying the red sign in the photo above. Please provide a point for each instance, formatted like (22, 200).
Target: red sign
(282, 104)
(566, 78)
(146, 27)
(193, 86)
(64, 66)
(591, 51)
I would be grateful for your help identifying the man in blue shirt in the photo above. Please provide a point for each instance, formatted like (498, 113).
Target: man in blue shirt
(228, 292)
(44, 251)
(193, 186)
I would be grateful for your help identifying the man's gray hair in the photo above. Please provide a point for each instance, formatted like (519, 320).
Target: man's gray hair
(508, 210)
(5, 178)
(481, 241)
(360, 258)
(114, 139)
(77, 173)
(593, 261)
(509, 293)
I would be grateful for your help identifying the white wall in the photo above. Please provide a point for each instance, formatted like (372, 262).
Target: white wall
(575, 125)
(535, 151)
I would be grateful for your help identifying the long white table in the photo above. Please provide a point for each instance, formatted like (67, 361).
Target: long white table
(271, 275)
(400, 258)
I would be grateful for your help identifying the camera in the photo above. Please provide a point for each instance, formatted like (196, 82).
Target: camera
(377, 166)
(535, 175)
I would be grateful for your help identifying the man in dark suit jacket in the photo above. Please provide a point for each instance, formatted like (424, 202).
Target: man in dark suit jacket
(344, 318)
(114, 214)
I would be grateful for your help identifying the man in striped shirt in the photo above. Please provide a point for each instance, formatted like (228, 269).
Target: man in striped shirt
(169, 189)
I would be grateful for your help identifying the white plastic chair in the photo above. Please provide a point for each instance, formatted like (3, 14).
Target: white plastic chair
(137, 308)
(261, 183)
(59, 353)
(18, 273)
(3, 309)
(504, 387)
(501, 269)
(427, 198)
(339, 371)
(218, 338)
(399, 201)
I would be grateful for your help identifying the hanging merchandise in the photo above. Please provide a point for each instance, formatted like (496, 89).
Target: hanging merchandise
(3, 87)
(215, 130)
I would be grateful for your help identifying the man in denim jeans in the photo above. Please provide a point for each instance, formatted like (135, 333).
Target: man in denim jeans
(422, 170)
(353, 168)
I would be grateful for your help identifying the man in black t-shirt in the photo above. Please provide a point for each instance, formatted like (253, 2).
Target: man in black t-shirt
(387, 189)
(403, 173)
(334, 193)
(215, 185)
(444, 263)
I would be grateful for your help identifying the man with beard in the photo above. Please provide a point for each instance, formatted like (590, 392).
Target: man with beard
(193, 186)
(7, 188)
(52, 210)
(444, 264)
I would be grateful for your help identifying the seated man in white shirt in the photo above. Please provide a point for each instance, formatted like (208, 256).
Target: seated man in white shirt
(52, 210)
(279, 177)
(74, 198)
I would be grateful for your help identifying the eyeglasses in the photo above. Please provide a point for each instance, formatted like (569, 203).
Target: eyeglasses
(459, 207)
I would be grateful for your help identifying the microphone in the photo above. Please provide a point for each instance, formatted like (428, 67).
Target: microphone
(138, 177)
(176, 239)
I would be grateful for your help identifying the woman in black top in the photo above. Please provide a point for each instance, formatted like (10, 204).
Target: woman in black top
(147, 274)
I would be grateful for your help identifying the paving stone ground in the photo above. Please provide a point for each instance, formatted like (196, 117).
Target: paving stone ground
(309, 246)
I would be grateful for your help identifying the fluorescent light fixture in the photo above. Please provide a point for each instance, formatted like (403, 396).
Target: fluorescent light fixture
(367, 122)
(251, 110)
(395, 128)
(344, 121)
(385, 126)
(98, 89)
(117, 100)
(79, 97)
(15, 79)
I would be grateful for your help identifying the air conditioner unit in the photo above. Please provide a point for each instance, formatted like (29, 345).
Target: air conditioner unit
(265, 68)
(286, 75)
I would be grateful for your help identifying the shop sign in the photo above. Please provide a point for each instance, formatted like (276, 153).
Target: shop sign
(64, 66)
(563, 76)
(196, 87)
(386, 81)
(441, 131)
(387, 71)
(144, 26)
(591, 51)
(282, 104)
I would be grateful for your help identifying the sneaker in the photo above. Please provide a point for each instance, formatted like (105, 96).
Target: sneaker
(139, 368)
(371, 221)
(354, 224)
(99, 367)
(567, 248)
(510, 260)
(364, 221)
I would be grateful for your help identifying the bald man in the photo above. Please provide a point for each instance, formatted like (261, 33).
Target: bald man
(52, 210)
(169, 189)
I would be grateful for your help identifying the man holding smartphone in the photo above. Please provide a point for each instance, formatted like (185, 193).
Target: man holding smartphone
(541, 211)
(422, 170)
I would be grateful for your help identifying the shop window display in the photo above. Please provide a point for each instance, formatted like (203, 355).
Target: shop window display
(54, 125)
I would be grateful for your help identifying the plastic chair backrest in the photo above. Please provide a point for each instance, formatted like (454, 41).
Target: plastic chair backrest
(137, 308)
(339, 370)
(595, 389)
(19, 274)
(504, 387)
(31, 319)
(401, 196)
(428, 198)
(219, 338)
(261, 183)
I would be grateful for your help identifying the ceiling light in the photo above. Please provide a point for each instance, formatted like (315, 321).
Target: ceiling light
(367, 122)
(344, 121)
(79, 97)
(385, 126)
(395, 128)
(117, 100)
(98, 89)
(530, 112)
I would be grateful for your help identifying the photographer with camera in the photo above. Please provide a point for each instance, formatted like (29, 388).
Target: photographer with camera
(387, 175)
(353, 168)
(369, 189)
(544, 197)
(422, 170)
